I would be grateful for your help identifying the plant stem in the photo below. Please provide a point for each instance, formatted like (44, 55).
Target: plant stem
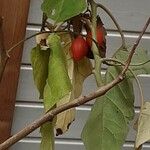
(115, 22)
(44, 18)
(128, 61)
(98, 63)
(106, 60)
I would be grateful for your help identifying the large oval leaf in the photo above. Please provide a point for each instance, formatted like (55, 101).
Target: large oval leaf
(61, 10)
(107, 125)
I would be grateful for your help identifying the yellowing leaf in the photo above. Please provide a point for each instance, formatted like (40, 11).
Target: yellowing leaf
(65, 118)
(143, 133)
(77, 74)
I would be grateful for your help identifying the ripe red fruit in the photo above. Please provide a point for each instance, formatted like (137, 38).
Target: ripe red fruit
(100, 37)
(79, 48)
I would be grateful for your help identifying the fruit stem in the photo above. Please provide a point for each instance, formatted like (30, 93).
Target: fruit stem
(98, 62)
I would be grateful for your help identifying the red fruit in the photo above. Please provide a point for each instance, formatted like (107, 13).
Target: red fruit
(79, 48)
(100, 37)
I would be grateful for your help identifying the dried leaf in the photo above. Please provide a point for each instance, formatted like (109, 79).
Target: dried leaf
(65, 118)
(143, 132)
(41, 37)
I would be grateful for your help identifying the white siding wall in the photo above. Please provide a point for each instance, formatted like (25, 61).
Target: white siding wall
(131, 15)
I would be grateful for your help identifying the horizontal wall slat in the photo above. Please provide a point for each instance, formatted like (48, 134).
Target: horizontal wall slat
(25, 114)
(131, 14)
(65, 144)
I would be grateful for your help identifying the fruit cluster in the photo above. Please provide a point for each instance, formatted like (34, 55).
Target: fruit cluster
(81, 46)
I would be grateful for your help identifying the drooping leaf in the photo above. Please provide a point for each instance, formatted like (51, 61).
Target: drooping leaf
(47, 133)
(143, 132)
(61, 10)
(58, 83)
(107, 125)
(57, 86)
(140, 56)
(77, 72)
(39, 62)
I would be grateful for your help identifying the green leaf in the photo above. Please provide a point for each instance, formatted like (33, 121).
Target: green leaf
(107, 125)
(58, 83)
(47, 133)
(39, 62)
(61, 10)
(140, 56)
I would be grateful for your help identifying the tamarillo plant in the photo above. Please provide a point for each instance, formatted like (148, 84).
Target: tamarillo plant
(111, 113)
(61, 61)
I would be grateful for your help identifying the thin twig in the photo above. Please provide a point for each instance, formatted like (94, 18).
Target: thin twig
(94, 48)
(106, 60)
(115, 22)
(135, 45)
(76, 102)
